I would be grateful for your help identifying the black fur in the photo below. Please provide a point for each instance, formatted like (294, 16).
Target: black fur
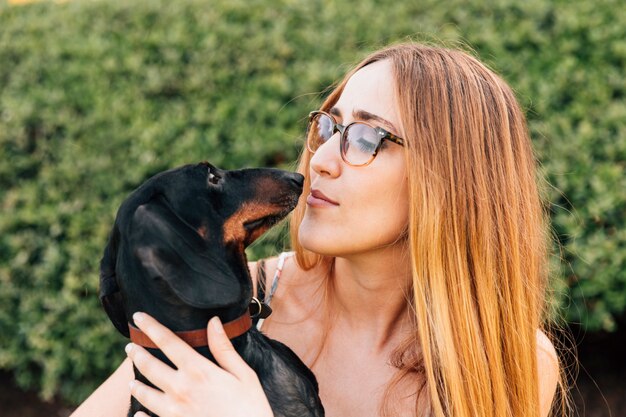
(169, 255)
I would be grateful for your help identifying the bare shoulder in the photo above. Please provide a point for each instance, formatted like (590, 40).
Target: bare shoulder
(548, 371)
(545, 347)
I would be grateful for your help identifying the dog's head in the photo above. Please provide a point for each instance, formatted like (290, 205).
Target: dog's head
(178, 242)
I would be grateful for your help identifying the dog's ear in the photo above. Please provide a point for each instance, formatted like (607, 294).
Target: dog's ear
(170, 249)
(110, 295)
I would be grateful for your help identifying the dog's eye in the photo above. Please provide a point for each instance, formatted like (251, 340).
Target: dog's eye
(214, 179)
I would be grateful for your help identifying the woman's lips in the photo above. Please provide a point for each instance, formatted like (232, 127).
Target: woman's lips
(318, 199)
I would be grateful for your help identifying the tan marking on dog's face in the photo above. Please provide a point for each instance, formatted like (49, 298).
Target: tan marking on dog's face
(233, 227)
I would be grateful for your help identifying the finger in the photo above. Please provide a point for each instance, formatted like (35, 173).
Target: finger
(179, 352)
(140, 414)
(157, 372)
(223, 351)
(153, 399)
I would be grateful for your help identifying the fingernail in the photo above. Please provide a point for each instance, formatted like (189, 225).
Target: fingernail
(217, 324)
(128, 348)
(138, 317)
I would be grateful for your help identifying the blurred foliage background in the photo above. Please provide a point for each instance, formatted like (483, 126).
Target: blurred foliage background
(96, 96)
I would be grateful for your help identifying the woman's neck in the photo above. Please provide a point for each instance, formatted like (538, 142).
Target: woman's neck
(371, 293)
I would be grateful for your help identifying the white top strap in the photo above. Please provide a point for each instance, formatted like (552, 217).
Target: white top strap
(279, 270)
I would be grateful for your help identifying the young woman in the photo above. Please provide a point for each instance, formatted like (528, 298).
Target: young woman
(417, 286)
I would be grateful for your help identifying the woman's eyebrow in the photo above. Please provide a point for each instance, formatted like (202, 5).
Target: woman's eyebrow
(365, 115)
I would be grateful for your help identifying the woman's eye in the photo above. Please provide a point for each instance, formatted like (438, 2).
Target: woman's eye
(365, 145)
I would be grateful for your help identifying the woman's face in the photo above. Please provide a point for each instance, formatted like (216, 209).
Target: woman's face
(371, 209)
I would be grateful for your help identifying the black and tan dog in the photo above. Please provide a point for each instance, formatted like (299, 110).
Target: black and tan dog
(176, 251)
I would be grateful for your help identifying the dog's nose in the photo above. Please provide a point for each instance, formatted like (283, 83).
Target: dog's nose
(296, 179)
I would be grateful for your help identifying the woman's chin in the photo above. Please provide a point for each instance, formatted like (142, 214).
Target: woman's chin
(314, 238)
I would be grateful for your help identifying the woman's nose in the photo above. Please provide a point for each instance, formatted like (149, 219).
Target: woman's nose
(327, 158)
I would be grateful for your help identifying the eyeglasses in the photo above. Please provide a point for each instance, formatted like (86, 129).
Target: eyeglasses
(359, 142)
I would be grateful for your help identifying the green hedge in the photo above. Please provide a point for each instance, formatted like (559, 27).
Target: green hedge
(97, 96)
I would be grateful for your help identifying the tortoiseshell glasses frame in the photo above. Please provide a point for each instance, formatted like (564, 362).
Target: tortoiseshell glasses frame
(358, 149)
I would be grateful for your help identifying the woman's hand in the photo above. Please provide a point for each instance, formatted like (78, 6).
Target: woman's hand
(198, 387)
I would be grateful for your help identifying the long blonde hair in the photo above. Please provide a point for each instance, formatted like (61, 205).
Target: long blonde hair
(478, 234)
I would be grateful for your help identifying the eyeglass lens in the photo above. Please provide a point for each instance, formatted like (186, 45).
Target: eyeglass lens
(359, 140)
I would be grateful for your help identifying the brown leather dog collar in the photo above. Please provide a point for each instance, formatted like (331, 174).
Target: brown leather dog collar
(195, 338)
